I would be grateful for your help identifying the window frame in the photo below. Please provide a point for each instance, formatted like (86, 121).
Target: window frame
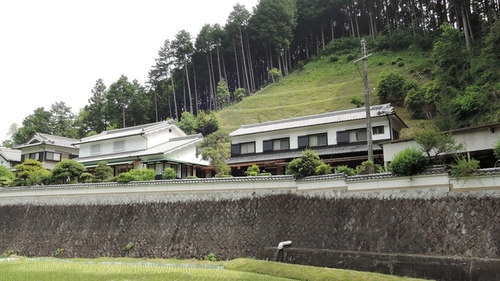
(305, 141)
(378, 130)
(269, 145)
(47, 157)
(236, 148)
(95, 151)
(116, 143)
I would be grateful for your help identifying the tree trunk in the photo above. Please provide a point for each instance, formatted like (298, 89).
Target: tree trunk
(210, 91)
(175, 99)
(250, 66)
(236, 60)
(466, 30)
(189, 89)
(245, 72)
(195, 90)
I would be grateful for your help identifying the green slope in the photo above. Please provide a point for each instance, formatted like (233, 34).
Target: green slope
(323, 86)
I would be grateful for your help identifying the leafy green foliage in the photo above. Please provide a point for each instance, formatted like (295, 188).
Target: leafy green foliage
(323, 169)
(222, 94)
(169, 174)
(210, 257)
(5, 172)
(102, 172)
(346, 170)
(367, 167)
(305, 165)
(274, 74)
(496, 149)
(408, 162)
(214, 148)
(129, 246)
(67, 170)
(253, 170)
(239, 94)
(357, 102)
(187, 123)
(463, 167)
(436, 144)
(393, 87)
(206, 123)
(143, 174)
(32, 172)
(39, 177)
(86, 177)
(125, 178)
(5, 181)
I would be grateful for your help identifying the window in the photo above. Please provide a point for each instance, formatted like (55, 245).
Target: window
(243, 148)
(277, 144)
(246, 148)
(53, 156)
(312, 140)
(357, 135)
(34, 156)
(119, 145)
(95, 149)
(378, 130)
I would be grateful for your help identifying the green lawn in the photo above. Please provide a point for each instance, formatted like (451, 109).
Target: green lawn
(42, 269)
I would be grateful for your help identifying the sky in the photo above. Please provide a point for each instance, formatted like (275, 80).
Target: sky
(52, 51)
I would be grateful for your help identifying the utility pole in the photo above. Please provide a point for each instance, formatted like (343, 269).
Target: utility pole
(369, 142)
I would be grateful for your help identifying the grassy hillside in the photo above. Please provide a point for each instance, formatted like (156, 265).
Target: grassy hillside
(323, 86)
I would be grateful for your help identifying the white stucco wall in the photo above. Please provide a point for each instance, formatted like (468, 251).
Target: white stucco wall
(330, 129)
(161, 136)
(132, 143)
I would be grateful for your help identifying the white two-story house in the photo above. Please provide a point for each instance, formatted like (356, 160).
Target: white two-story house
(48, 149)
(338, 137)
(155, 146)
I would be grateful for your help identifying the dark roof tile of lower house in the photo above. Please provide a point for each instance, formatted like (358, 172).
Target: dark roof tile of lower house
(297, 153)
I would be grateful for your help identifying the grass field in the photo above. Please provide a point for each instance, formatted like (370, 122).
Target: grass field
(321, 87)
(45, 269)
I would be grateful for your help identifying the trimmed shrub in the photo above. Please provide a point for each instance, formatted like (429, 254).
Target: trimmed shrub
(143, 174)
(305, 165)
(368, 165)
(350, 57)
(169, 174)
(408, 162)
(125, 178)
(86, 177)
(5, 181)
(346, 170)
(323, 169)
(253, 170)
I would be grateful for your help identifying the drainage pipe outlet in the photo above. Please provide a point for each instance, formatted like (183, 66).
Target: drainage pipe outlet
(284, 243)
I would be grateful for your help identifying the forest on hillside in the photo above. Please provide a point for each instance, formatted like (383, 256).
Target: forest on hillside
(223, 64)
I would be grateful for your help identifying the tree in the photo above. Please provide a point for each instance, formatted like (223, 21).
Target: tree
(62, 120)
(96, 119)
(435, 144)
(222, 94)
(206, 124)
(67, 171)
(32, 172)
(393, 88)
(408, 162)
(118, 99)
(6, 176)
(38, 122)
(182, 48)
(187, 123)
(213, 148)
(305, 165)
(102, 172)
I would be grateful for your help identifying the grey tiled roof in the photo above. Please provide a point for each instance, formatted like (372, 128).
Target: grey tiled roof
(54, 140)
(170, 146)
(259, 157)
(318, 119)
(12, 155)
(130, 131)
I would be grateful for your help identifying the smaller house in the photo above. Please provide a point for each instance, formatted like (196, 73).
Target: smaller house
(478, 144)
(48, 149)
(155, 146)
(9, 158)
(339, 138)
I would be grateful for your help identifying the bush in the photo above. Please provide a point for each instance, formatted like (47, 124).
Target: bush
(239, 94)
(463, 168)
(125, 178)
(368, 165)
(210, 257)
(143, 174)
(102, 172)
(401, 64)
(305, 165)
(323, 169)
(67, 170)
(408, 162)
(350, 57)
(346, 170)
(301, 65)
(86, 177)
(253, 170)
(496, 149)
(169, 174)
(5, 181)
(4, 172)
(334, 58)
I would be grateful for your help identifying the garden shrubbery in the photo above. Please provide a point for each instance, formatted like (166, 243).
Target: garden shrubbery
(409, 161)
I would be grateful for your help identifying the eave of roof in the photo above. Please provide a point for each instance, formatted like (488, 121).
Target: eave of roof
(317, 119)
(297, 153)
